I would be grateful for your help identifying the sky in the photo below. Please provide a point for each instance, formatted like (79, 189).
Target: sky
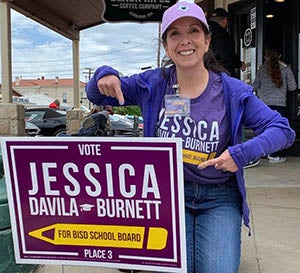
(38, 51)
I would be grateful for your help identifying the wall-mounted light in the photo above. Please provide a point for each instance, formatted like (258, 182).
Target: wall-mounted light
(279, 1)
(269, 15)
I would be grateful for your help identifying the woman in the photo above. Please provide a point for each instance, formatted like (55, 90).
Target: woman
(214, 108)
(272, 82)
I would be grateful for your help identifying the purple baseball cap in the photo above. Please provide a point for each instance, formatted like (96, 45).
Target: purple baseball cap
(183, 8)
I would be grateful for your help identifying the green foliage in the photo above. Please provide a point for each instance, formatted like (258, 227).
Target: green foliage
(127, 110)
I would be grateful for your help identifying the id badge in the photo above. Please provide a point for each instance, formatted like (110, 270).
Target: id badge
(177, 105)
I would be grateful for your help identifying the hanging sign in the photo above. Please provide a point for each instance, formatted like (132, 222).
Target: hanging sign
(253, 18)
(135, 10)
(105, 202)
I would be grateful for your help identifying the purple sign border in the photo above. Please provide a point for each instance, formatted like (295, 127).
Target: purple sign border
(16, 213)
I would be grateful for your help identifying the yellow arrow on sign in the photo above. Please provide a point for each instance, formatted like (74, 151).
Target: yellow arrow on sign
(102, 235)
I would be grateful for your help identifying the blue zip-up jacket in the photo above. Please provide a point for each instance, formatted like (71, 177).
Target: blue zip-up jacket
(244, 109)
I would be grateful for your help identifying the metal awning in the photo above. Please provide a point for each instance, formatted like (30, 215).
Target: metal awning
(67, 17)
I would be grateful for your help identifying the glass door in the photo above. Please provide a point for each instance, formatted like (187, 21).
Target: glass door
(248, 49)
(243, 29)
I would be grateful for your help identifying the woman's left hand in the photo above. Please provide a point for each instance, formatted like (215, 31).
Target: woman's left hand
(223, 162)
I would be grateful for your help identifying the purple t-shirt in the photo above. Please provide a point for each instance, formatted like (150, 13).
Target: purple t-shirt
(205, 132)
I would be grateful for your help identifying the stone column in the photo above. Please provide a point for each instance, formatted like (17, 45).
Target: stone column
(12, 119)
(74, 119)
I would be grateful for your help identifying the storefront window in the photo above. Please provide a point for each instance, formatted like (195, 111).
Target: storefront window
(248, 54)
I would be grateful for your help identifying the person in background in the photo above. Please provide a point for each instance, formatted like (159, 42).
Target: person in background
(213, 108)
(54, 104)
(222, 43)
(223, 46)
(109, 109)
(95, 123)
(272, 82)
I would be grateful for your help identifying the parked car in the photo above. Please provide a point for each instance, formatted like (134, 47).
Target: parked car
(122, 126)
(31, 129)
(51, 122)
(140, 120)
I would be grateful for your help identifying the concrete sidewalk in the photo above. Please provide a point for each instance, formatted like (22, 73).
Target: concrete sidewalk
(274, 200)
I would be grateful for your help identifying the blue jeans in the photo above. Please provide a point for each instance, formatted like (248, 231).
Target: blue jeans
(213, 227)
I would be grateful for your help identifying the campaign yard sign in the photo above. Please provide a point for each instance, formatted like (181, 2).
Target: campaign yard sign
(106, 202)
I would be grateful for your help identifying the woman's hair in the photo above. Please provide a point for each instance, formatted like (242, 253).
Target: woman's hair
(272, 58)
(210, 62)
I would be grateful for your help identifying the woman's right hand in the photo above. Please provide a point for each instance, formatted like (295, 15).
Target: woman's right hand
(111, 86)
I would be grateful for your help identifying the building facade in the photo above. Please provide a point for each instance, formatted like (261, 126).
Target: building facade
(57, 88)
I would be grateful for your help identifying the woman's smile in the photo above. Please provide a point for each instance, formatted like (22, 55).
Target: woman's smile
(186, 52)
